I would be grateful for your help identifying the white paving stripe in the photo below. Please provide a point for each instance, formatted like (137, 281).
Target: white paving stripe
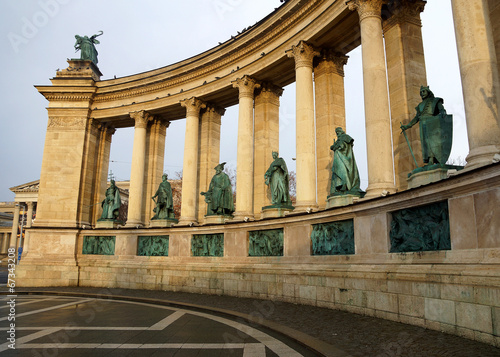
(249, 347)
(27, 302)
(48, 309)
(22, 340)
(167, 321)
(265, 340)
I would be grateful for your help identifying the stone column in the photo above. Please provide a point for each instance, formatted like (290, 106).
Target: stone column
(5, 243)
(303, 54)
(267, 106)
(330, 114)
(190, 165)
(377, 117)
(153, 170)
(15, 227)
(479, 71)
(134, 218)
(245, 154)
(494, 6)
(208, 151)
(406, 72)
(102, 167)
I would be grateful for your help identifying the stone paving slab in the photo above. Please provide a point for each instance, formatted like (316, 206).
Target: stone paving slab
(347, 333)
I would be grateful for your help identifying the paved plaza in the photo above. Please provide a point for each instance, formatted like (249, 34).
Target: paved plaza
(121, 322)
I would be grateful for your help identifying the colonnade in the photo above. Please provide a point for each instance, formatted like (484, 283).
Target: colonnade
(393, 71)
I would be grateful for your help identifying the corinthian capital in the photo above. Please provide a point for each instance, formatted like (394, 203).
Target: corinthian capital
(193, 106)
(246, 85)
(366, 8)
(141, 118)
(303, 54)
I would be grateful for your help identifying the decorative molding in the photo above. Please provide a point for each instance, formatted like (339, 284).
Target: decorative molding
(66, 123)
(68, 97)
(141, 118)
(246, 86)
(404, 11)
(193, 106)
(269, 93)
(303, 54)
(330, 62)
(366, 8)
(229, 59)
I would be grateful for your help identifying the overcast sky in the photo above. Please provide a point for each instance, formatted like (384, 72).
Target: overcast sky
(37, 36)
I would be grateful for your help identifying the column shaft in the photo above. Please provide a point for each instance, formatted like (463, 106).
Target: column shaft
(479, 72)
(330, 114)
(153, 170)
(137, 170)
(267, 105)
(245, 148)
(15, 227)
(190, 165)
(102, 167)
(305, 133)
(406, 73)
(208, 152)
(377, 117)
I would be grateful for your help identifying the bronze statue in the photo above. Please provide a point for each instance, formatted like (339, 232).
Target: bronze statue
(164, 203)
(111, 203)
(436, 128)
(86, 45)
(219, 197)
(345, 175)
(276, 178)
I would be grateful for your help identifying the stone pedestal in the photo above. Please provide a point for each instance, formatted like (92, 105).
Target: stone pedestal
(217, 219)
(275, 211)
(344, 200)
(430, 173)
(107, 224)
(163, 223)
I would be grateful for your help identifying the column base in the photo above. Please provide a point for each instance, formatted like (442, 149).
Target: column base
(217, 219)
(380, 190)
(482, 156)
(276, 211)
(306, 206)
(163, 223)
(107, 224)
(243, 216)
(341, 200)
(187, 221)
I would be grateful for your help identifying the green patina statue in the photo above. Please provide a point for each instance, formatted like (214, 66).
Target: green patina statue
(219, 197)
(111, 203)
(436, 128)
(276, 178)
(345, 175)
(164, 203)
(86, 46)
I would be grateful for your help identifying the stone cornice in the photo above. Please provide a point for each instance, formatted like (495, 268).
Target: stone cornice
(223, 60)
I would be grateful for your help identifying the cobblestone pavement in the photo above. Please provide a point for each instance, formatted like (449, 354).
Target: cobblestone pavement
(347, 333)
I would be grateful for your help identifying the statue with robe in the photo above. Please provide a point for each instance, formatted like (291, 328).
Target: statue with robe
(219, 197)
(111, 203)
(345, 175)
(164, 200)
(276, 177)
(86, 46)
